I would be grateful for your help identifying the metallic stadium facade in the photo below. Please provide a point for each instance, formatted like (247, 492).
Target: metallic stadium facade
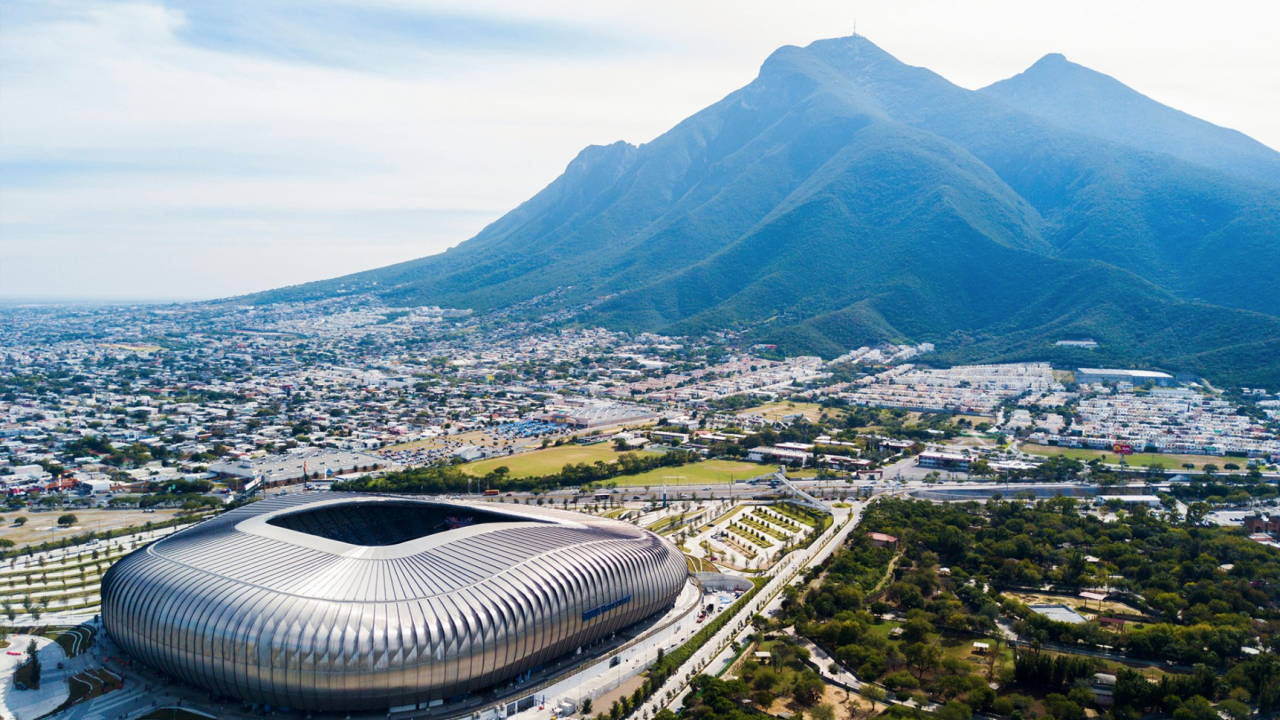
(349, 601)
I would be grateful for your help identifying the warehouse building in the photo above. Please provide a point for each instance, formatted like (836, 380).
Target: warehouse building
(1098, 376)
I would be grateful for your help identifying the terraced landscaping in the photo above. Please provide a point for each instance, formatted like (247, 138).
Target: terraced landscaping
(763, 528)
(73, 640)
(755, 538)
(88, 685)
(794, 513)
(777, 519)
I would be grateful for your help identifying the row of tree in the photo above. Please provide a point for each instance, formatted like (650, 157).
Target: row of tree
(447, 479)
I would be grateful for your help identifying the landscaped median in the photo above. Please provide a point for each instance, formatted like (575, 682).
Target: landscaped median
(87, 685)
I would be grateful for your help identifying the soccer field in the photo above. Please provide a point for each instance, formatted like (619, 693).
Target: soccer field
(545, 462)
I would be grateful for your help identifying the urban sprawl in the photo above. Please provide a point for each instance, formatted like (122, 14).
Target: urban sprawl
(120, 426)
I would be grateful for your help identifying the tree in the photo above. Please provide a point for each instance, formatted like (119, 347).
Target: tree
(808, 688)
(1234, 708)
(1197, 708)
(922, 656)
(20, 520)
(993, 654)
(35, 663)
(68, 520)
(916, 630)
(954, 710)
(872, 694)
(586, 707)
(822, 711)
(1197, 512)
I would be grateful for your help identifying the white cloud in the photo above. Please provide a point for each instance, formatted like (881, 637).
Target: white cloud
(148, 150)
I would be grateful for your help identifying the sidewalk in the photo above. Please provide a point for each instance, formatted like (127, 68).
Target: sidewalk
(786, 572)
(18, 704)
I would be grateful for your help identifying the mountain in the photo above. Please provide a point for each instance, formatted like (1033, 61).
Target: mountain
(1086, 101)
(843, 197)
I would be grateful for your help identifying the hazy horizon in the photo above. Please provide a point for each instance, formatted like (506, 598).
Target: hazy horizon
(173, 152)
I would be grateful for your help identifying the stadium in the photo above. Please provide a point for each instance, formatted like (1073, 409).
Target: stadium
(349, 602)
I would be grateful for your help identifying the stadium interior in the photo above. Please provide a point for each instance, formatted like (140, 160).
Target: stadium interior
(384, 523)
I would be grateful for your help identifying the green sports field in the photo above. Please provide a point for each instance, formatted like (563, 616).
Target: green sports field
(1169, 461)
(545, 462)
(696, 475)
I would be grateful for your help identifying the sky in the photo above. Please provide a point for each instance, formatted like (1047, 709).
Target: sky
(184, 150)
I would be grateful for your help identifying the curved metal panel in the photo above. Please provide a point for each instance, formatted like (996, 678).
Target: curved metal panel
(278, 617)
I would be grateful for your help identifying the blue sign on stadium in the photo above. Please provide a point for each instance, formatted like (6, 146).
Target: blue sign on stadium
(598, 611)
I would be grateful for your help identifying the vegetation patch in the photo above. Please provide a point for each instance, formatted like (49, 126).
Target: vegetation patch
(546, 461)
(958, 568)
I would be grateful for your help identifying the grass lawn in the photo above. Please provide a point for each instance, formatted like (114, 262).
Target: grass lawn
(663, 524)
(545, 462)
(883, 628)
(73, 640)
(700, 565)
(37, 528)
(89, 685)
(779, 410)
(696, 475)
(1168, 460)
(961, 648)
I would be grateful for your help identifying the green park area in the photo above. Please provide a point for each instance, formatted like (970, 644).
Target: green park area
(545, 462)
(696, 475)
(1170, 461)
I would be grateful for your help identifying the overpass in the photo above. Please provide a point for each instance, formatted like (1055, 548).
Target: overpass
(798, 496)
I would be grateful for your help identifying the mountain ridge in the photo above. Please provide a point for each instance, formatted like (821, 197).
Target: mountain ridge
(844, 197)
(1082, 99)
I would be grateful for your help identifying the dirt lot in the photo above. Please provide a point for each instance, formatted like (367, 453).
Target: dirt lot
(847, 706)
(37, 529)
(782, 409)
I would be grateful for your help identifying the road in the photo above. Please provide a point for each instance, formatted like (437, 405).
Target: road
(669, 695)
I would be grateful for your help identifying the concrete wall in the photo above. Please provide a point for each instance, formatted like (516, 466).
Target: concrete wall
(713, 581)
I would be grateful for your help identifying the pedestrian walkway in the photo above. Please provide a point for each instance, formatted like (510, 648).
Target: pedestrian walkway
(719, 646)
(18, 704)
